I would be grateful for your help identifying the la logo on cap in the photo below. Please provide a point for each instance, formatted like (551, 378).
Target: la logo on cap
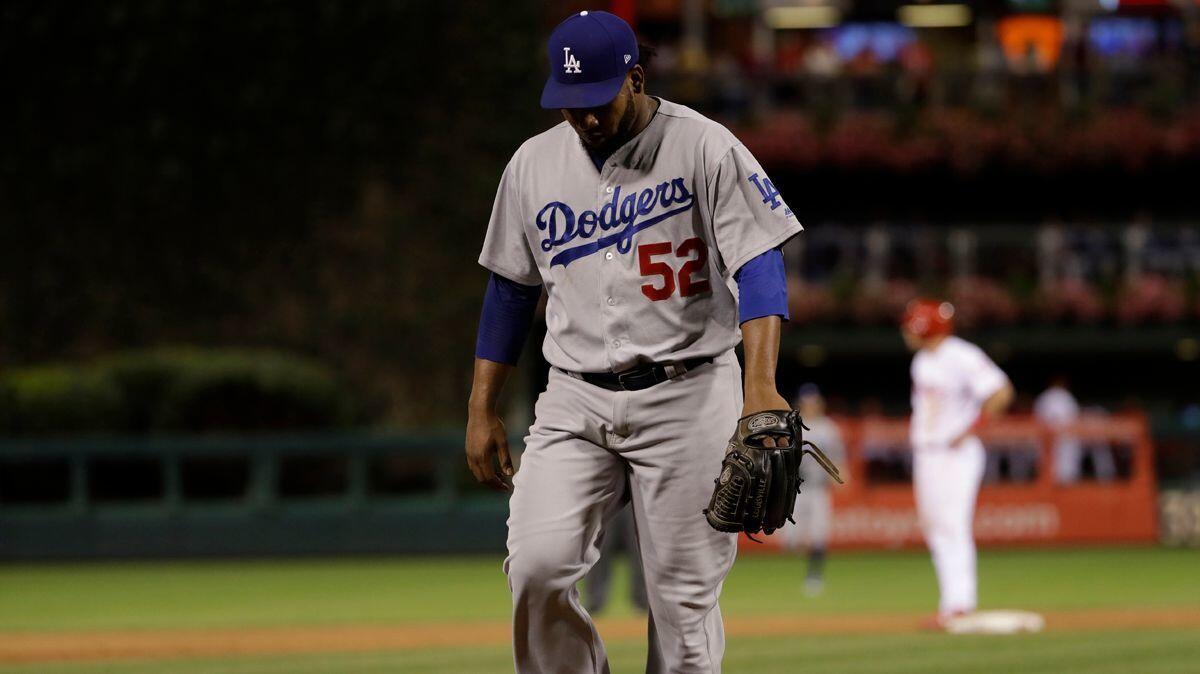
(601, 40)
(570, 63)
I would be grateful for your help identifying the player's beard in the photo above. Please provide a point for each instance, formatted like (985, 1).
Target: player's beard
(624, 129)
(628, 120)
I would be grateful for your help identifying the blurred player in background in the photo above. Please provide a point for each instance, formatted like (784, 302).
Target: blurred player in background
(1057, 408)
(619, 536)
(814, 505)
(956, 389)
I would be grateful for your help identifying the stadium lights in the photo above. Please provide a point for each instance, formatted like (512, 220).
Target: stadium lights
(819, 16)
(934, 16)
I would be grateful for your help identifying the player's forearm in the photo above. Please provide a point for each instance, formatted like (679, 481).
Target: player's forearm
(998, 402)
(486, 385)
(760, 339)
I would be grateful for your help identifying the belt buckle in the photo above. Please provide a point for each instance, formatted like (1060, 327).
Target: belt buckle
(628, 379)
(622, 377)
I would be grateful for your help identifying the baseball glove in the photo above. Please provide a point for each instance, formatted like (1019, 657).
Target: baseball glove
(756, 490)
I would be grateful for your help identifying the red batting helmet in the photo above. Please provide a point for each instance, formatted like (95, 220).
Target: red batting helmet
(928, 318)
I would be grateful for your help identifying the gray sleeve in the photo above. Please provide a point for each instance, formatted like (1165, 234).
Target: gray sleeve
(506, 248)
(748, 214)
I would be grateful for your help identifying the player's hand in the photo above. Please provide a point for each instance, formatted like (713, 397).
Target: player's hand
(487, 442)
(971, 430)
(759, 399)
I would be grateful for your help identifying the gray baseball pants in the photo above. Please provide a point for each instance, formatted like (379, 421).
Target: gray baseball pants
(671, 439)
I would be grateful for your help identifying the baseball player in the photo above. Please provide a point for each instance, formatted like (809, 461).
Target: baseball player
(814, 505)
(956, 389)
(1059, 410)
(656, 236)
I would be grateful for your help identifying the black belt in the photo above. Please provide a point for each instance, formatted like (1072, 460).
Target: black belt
(640, 377)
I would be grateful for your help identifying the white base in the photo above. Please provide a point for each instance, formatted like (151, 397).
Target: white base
(995, 622)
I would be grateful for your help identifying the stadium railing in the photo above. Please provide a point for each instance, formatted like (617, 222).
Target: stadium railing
(391, 493)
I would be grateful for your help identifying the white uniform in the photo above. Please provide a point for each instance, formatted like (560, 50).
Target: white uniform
(950, 384)
(1057, 408)
(637, 260)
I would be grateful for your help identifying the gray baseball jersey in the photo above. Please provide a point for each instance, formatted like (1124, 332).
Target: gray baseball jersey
(638, 257)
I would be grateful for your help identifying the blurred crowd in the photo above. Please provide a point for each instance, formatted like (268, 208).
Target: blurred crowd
(1039, 91)
(1108, 59)
(1135, 273)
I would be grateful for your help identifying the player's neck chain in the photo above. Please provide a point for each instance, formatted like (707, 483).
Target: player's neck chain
(629, 212)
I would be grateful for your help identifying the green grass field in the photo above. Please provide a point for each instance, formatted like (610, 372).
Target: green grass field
(37, 599)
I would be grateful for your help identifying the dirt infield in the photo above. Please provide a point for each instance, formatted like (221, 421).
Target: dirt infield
(29, 647)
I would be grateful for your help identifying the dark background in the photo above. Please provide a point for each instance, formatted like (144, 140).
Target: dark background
(310, 176)
(314, 179)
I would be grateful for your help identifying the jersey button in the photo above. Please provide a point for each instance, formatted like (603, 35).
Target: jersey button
(616, 343)
(611, 301)
(608, 190)
(608, 255)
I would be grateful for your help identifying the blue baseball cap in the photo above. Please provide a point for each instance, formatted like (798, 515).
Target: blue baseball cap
(590, 53)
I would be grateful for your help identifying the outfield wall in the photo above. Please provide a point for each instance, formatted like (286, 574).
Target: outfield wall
(388, 493)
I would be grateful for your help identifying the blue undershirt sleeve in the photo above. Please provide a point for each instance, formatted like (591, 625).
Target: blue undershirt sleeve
(762, 287)
(504, 323)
